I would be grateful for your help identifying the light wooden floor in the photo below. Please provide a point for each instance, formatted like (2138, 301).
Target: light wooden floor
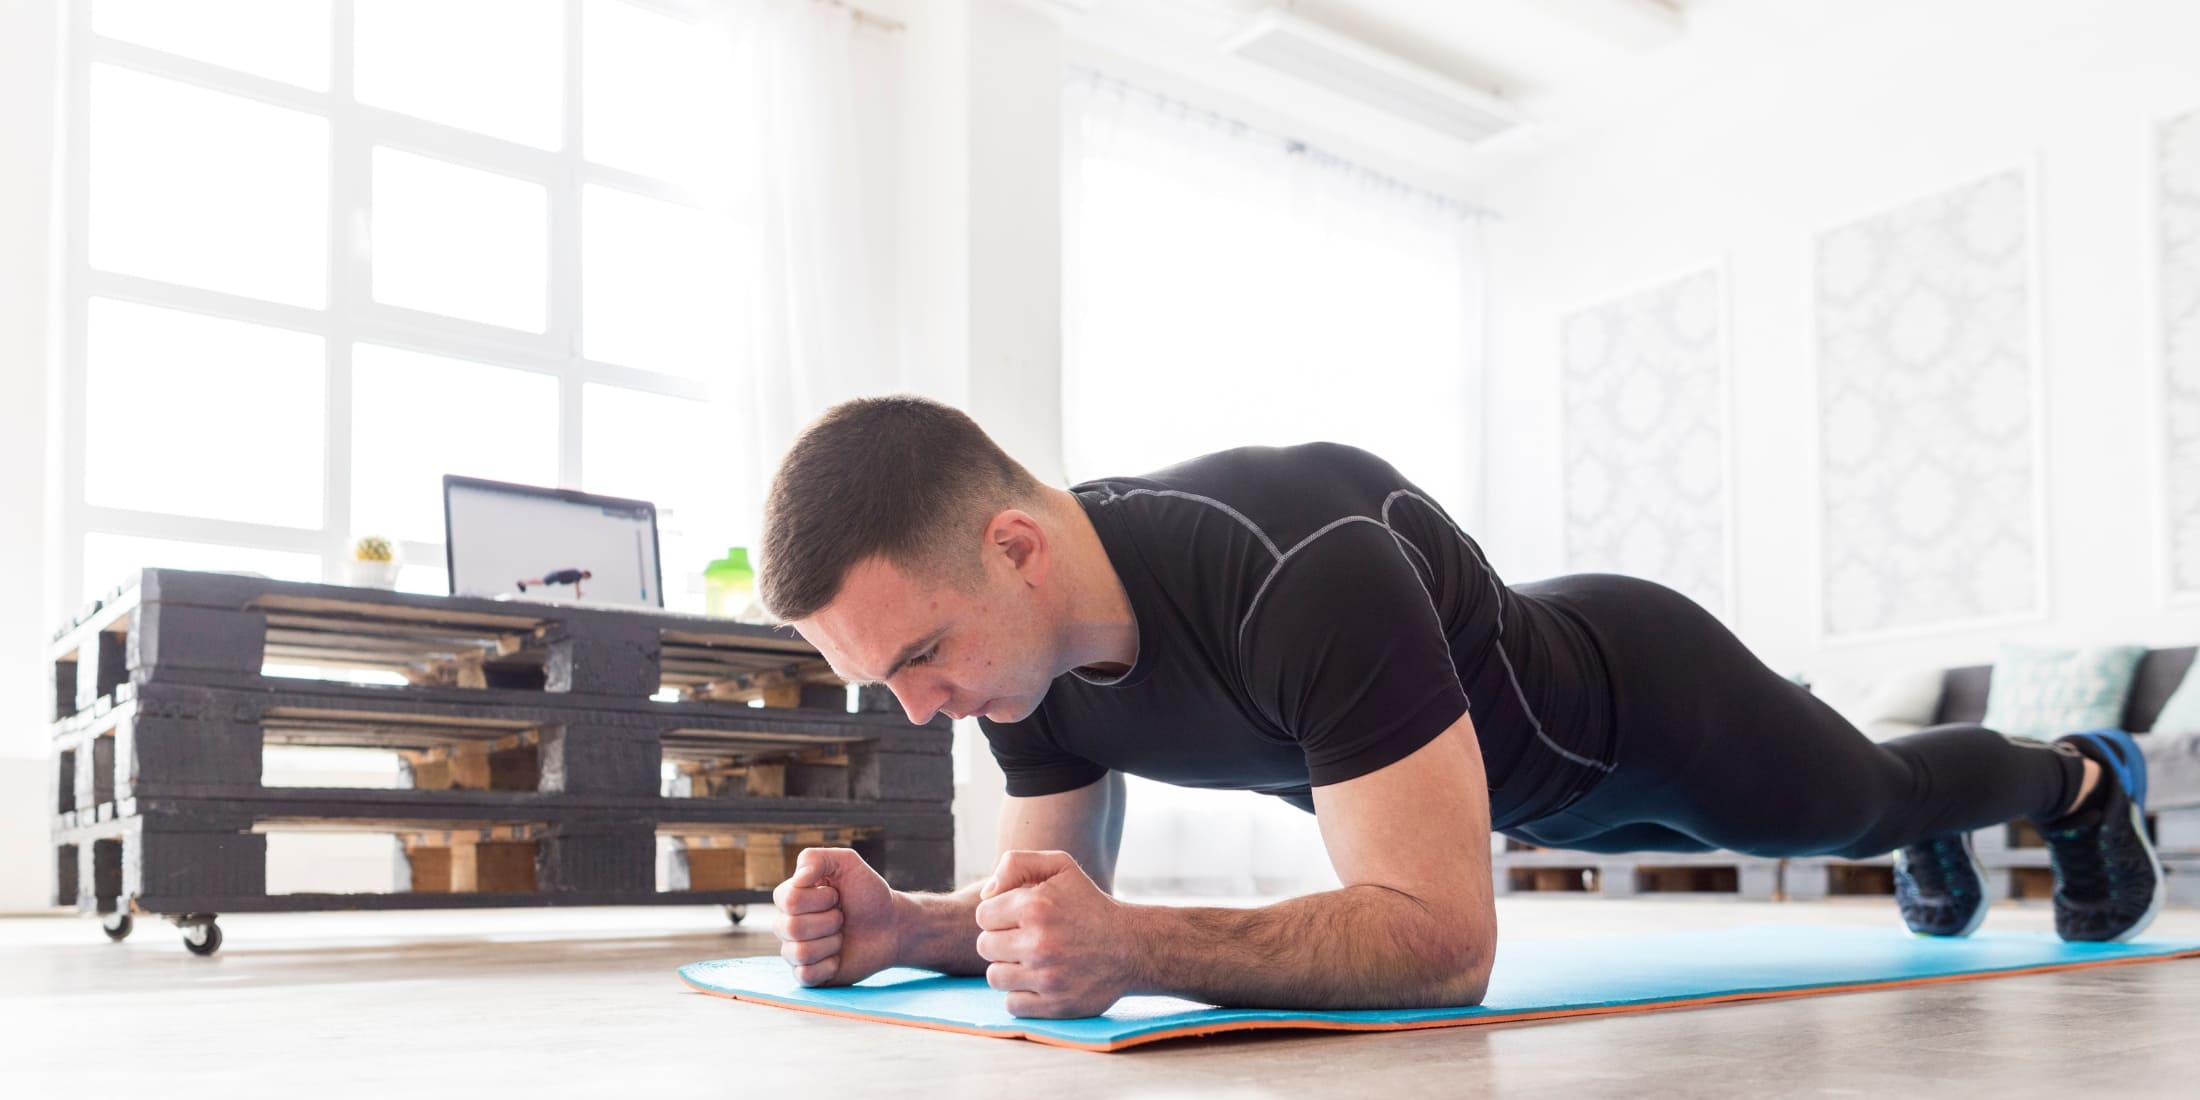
(584, 1003)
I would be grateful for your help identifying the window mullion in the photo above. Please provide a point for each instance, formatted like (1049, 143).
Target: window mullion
(566, 259)
(349, 281)
(227, 532)
(124, 287)
(202, 74)
(451, 144)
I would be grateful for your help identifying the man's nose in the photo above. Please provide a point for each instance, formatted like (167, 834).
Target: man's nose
(919, 703)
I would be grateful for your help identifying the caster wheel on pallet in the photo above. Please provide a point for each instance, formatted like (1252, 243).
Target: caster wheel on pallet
(735, 914)
(117, 926)
(203, 939)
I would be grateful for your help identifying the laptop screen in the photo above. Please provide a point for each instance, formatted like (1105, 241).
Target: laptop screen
(520, 542)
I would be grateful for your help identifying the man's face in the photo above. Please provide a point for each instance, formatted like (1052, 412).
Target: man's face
(936, 645)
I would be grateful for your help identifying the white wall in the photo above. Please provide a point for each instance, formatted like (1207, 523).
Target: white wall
(1773, 120)
(979, 226)
(29, 87)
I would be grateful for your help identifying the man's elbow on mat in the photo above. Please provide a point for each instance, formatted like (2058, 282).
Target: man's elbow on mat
(1464, 976)
(1446, 968)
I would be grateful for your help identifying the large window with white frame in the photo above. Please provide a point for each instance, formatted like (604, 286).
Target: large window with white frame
(321, 252)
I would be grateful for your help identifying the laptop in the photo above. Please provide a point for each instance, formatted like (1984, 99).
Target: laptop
(524, 542)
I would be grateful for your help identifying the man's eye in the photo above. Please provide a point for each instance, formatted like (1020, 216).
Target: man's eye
(925, 657)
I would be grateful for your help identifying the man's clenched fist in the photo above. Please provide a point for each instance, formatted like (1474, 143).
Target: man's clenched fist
(1059, 947)
(838, 925)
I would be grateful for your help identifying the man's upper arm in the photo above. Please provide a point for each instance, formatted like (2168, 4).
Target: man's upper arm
(1421, 826)
(1086, 822)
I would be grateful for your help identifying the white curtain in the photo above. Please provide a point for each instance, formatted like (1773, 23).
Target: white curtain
(802, 162)
(1226, 287)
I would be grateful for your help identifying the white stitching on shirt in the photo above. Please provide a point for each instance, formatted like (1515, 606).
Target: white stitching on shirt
(1210, 502)
(1498, 642)
(1278, 568)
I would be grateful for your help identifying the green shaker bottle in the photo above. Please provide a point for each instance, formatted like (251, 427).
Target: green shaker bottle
(729, 585)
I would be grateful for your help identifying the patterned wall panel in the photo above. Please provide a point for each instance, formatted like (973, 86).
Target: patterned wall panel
(1926, 374)
(2180, 298)
(1645, 438)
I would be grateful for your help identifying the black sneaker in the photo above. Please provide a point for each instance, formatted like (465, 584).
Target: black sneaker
(1940, 886)
(2108, 881)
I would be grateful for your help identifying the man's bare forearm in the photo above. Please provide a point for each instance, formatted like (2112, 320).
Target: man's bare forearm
(1358, 947)
(939, 931)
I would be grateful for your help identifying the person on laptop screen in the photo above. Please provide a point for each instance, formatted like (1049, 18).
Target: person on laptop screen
(497, 532)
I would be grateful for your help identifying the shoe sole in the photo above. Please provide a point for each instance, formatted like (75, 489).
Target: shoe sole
(1978, 870)
(1978, 917)
(2161, 884)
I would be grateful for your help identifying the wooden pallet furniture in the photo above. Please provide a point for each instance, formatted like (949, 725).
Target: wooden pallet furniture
(548, 754)
(2014, 856)
(1521, 868)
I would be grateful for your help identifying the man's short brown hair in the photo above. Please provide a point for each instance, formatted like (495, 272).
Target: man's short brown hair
(904, 478)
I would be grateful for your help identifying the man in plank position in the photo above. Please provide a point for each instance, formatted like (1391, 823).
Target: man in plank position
(1304, 623)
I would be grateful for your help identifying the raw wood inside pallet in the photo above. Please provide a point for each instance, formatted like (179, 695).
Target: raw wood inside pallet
(1551, 879)
(1646, 879)
(1687, 880)
(737, 857)
(439, 646)
(707, 763)
(491, 754)
(439, 753)
(498, 859)
(436, 646)
(771, 682)
(719, 675)
(2031, 882)
(443, 857)
(1859, 878)
(452, 857)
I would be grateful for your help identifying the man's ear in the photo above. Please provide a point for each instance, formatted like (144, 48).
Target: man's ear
(1019, 536)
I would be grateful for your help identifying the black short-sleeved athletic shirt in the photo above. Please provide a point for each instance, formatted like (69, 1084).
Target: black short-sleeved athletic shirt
(1307, 616)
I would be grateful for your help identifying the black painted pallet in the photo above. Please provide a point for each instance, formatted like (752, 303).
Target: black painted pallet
(550, 755)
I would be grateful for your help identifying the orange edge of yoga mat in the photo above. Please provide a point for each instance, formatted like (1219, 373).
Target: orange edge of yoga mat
(1520, 1016)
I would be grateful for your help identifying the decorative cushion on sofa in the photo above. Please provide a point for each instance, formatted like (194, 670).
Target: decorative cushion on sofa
(2043, 692)
(2181, 714)
(1900, 704)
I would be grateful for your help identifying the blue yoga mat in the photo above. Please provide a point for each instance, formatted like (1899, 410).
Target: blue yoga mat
(1533, 979)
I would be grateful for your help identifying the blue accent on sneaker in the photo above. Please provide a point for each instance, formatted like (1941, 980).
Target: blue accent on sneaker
(1940, 886)
(2108, 880)
(2116, 750)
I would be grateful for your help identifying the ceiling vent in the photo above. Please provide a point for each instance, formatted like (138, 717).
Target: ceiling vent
(1349, 67)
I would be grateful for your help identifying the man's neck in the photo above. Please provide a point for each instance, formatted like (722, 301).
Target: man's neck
(1099, 631)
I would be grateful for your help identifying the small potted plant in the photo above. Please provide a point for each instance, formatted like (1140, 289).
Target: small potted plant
(373, 563)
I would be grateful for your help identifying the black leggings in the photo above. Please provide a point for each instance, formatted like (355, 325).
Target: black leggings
(1714, 750)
